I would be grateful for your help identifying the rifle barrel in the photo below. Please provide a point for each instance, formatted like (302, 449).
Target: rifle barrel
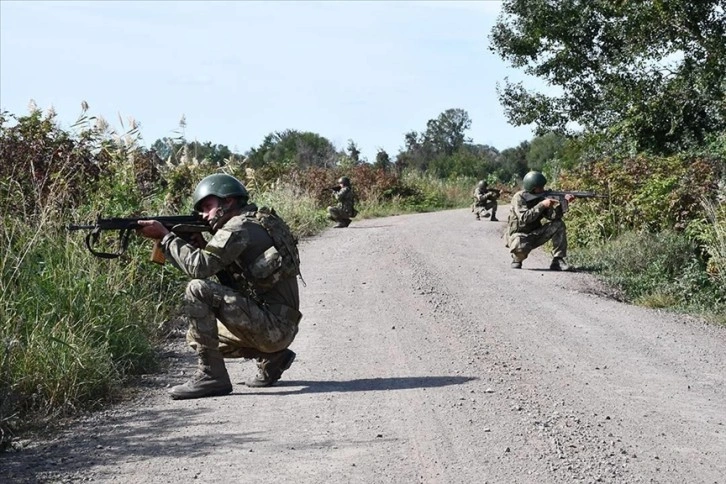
(128, 223)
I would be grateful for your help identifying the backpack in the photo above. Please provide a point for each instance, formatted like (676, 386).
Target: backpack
(282, 260)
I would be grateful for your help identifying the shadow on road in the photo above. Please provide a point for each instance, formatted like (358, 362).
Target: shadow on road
(366, 227)
(363, 385)
(136, 435)
(142, 433)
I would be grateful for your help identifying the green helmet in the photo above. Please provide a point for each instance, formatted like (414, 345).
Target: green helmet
(219, 185)
(533, 179)
(482, 183)
(344, 180)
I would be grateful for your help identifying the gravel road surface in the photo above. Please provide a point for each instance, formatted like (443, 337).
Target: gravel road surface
(423, 358)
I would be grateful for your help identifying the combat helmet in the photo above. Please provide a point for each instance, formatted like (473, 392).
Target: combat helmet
(532, 180)
(482, 184)
(344, 180)
(220, 185)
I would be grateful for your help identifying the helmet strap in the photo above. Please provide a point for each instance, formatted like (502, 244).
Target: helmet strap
(226, 210)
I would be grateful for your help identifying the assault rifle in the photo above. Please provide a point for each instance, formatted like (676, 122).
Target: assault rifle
(182, 225)
(559, 196)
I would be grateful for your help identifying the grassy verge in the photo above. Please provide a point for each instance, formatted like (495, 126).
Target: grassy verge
(73, 326)
(658, 270)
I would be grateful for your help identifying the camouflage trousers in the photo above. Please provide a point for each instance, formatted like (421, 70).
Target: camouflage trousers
(222, 318)
(337, 214)
(521, 244)
(485, 205)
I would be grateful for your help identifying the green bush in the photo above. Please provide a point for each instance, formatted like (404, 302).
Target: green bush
(656, 267)
(74, 326)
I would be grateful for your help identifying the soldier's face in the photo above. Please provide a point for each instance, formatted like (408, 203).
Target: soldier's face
(209, 207)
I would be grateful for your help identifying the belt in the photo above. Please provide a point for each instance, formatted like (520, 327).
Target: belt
(285, 312)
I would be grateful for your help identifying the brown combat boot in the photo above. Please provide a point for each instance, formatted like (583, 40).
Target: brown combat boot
(270, 369)
(210, 380)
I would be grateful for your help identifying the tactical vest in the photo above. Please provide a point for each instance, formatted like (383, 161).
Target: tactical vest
(282, 259)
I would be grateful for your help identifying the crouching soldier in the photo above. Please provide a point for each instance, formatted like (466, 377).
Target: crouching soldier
(485, 201)
(251, 310)
(345, 210)
(534, 219)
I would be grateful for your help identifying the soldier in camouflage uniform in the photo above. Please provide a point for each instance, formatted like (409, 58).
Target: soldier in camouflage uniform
(237, 316)
(345, 210)
(527, 229)
(485, 200)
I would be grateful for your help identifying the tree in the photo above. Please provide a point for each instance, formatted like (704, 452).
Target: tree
(513, 162)
(446, 133)
(543, 149)
(443, 137)
(353, 152)
(292, 147)
(418, 153)
(383, 161)
(651, 73)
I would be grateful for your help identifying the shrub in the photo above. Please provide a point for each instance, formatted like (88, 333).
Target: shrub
(650, 267)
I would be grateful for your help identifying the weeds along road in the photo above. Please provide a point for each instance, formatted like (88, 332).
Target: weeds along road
(423, 358)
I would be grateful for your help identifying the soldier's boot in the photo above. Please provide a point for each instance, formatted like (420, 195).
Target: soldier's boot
(494, 218)
(487, 215)
(210, 380)
(343, 224)
(270, 368)
(559, 264)
(517, 257)
(478, 217)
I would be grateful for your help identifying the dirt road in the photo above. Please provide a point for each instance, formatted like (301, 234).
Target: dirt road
(423, 358)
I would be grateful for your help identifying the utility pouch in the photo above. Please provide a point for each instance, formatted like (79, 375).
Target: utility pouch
(266, 264)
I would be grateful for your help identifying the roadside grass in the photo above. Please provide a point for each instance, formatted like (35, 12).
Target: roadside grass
(658, 270)
(73, 326)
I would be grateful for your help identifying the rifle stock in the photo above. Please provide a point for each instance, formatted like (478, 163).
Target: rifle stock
(182, 225)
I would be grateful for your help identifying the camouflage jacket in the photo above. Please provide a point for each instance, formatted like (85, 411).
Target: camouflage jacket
(230, 255)
(525, 217)
(344, 196)
(482, 194)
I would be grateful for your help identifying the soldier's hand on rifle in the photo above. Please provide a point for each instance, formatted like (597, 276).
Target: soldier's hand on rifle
(197, 240)
(549, 202)
(152, 229)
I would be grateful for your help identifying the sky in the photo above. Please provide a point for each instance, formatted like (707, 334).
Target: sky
(237, 71)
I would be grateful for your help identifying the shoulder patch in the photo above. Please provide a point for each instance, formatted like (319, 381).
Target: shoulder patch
(217, 244)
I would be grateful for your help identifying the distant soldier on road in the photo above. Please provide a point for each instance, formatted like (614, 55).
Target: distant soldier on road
(533, 220)
(345, 210)
(485, 200)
